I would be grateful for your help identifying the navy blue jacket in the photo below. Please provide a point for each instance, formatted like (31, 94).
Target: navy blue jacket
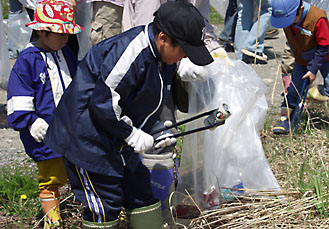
(120, 78)
(36, 84)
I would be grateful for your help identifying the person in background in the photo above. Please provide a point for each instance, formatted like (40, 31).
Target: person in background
(307, 32)
(36, 84)
(105, 116)
(106, 19)
(231, 17)
(246, 31)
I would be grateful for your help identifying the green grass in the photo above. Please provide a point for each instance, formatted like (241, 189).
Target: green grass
(15, 182)
(302, 162)
(214, 17)
(5, 8)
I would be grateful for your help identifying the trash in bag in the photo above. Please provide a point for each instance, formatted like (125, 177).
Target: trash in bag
(216, 166)
(4, 56)
(18, 34)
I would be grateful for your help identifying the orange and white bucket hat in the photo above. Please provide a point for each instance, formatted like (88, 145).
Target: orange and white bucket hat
(55, 16)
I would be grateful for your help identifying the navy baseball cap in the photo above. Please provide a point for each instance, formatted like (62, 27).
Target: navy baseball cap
(284, 12)
(184, 23)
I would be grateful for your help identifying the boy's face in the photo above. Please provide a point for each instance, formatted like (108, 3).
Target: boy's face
(168, 53)
(51, 41)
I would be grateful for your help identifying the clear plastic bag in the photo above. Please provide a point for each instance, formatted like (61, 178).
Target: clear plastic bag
(83, 18)
(18, 34)
(4, 56)
(231, 156)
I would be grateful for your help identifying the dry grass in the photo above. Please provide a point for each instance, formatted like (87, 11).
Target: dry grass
(301, 165)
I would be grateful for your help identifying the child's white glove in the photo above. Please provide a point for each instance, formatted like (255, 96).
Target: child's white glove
(167, 140)
(189, 71)
(38, 129)
(139, 140)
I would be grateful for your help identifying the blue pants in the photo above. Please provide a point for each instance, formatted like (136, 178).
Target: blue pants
(298, 72)
(231, 16)
(246, 28)
(103, 195)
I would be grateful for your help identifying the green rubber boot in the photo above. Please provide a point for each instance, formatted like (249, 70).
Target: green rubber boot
(149, 217)
(107, 225)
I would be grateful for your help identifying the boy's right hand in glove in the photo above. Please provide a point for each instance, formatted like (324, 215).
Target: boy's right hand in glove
(139, 140)
(38, 129)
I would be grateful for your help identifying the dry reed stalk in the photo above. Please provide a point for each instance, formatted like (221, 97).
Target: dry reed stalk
(291, 211)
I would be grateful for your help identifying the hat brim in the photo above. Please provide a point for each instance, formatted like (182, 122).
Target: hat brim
(59, 28)
(283, 21)
(198, 55)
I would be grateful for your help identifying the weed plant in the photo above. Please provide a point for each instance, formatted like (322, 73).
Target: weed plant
(5, 8)
(19, 193)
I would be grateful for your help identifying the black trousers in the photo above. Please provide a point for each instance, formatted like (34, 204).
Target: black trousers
(104, 195)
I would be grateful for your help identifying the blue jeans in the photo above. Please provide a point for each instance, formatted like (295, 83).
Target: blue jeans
(231, 17)
(246, 28)
(298, 72)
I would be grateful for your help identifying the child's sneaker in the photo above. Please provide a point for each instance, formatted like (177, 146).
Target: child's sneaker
(283, 127)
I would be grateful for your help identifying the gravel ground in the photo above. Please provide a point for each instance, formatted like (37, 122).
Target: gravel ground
(11, 149)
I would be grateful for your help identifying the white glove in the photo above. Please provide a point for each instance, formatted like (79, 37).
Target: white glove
(221, 53)
(189, 71)
(139, 140)
(167, 140)
(38, 129)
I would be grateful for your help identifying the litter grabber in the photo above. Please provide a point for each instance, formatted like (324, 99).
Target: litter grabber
(298, 111)
(216, 117)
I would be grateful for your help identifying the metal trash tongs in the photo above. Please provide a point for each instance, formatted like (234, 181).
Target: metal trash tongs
(216, 117)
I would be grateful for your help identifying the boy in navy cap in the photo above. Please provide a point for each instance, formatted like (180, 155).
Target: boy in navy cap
(306, 28)
(104, 117)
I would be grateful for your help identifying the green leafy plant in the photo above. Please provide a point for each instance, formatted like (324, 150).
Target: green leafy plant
(5, 8)
(214, 17)
(19, 193)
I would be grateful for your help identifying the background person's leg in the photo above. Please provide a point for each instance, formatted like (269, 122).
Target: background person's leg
(245, 9)
(264, 21)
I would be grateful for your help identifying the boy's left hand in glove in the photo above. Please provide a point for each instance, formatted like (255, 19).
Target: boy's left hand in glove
(38, 129)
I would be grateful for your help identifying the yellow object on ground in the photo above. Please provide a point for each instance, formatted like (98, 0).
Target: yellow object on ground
(314, 93)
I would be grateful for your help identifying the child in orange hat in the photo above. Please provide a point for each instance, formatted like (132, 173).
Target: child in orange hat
(36, 84)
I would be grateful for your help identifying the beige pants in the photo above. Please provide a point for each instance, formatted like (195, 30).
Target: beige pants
(106, 21)
(287, 60)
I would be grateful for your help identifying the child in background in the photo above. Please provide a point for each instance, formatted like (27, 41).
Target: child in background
(36, 84)
(307, 32)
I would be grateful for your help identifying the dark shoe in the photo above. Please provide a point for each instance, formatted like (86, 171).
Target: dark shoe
(283, 127)
(271, 34)
(226, 42)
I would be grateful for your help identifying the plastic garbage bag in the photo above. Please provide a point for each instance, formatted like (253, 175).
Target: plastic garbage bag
(231, 156)
(4, 56)
(220, 6)
(83, 18)
(18, 34)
